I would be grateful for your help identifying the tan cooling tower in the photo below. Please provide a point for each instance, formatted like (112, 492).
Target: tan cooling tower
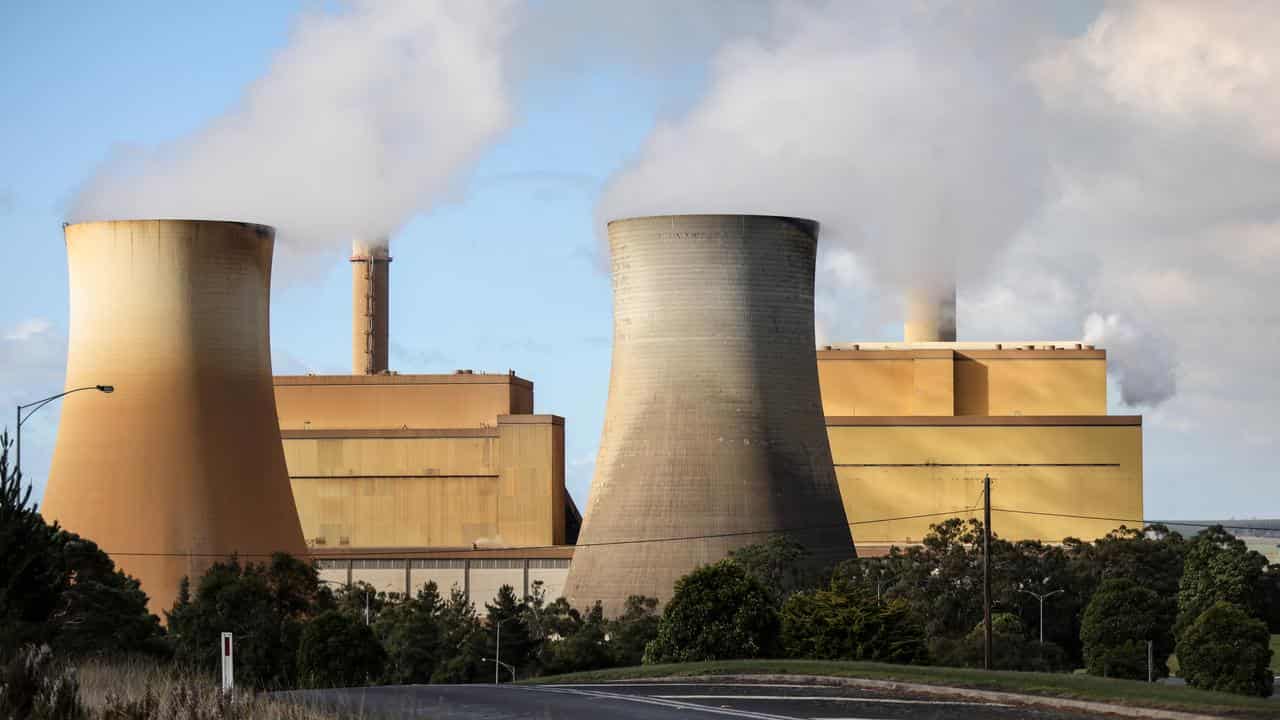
(370, 306)
(931, 314)
(184, 464)
(714, 435)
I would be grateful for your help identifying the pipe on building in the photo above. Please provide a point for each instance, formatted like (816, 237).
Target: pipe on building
(370, 306)
(182, 465)
(714, 435)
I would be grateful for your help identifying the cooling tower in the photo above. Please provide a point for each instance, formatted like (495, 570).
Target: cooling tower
(184, 465)
(370, 306)
(931, 314)
(714, 434)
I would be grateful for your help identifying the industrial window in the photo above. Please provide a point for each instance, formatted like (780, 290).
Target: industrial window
(378, 564)
(439, 564)
(496, 564)
(549, 563)
(331, 564)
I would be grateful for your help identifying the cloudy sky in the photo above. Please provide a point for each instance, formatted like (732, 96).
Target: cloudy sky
(1087, 170)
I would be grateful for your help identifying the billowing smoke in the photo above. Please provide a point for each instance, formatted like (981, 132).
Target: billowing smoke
(1139, 360)
(369, 115)
(910, 130)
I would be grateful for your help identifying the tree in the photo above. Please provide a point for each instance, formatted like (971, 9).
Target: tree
(462, 641)
(1219, 567)
(31, 583)
(631, 631)
(848, 624)
(264, 605)
(1121, 617)
(60, 589)
(518, 645)
(412, 635)
(1226, 649)
(102, 611)
(781, 564)
(337, 649)
(1151, 556)
(582, 649)
(717, 612)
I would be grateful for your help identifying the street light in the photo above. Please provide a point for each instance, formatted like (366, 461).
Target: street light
(510, 668)
(497, 650)
(1041, 598)
(106, 389)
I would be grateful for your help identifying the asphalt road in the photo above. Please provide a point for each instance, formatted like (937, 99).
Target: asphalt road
(655, 701)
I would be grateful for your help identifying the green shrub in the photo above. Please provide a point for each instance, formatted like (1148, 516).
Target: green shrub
(634, 629)
(835, 625)
(1119, 620)
(717, 612)
(338, 650)
(1226, 649)
(1011, 649)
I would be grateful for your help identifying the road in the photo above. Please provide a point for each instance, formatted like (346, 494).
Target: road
(656, 701)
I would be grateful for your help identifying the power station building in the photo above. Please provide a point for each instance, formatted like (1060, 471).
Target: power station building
(915, 426)
(404, 479)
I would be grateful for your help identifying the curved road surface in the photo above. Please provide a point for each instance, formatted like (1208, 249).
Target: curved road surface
(656, 701)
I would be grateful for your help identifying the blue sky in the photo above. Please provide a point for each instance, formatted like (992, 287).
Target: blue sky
(504, 270)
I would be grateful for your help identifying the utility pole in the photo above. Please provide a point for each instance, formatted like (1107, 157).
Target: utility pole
(986, 572)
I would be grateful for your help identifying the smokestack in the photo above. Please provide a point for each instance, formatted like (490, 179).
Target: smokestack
(931, 314)
(182, 464)
(714, 430)
(370, 306)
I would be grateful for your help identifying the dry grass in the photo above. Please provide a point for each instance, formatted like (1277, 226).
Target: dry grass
(143, 690)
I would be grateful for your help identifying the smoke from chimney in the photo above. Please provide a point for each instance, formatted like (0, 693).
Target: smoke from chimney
(370, 114)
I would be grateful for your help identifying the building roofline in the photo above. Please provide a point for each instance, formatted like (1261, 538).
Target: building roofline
(984, 420)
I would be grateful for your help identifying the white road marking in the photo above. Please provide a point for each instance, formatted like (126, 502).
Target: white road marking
(665, 702)
(838, 698)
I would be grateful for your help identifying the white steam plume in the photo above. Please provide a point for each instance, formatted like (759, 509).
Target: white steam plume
(1139, 360)
(913, 137)
(368, 116)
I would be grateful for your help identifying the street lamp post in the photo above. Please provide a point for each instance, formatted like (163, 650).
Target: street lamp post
(1041, 598)
(108, 389)
(497, 651)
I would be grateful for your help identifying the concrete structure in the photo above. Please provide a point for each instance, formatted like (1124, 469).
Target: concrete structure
(915, 426)
(184, 464)
(423, 461)
(713, 434)
(370, 305)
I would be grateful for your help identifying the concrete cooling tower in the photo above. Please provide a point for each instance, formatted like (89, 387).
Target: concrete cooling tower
(184, 465)
(714, 432)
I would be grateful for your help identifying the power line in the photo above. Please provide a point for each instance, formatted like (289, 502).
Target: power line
(635, 541)
(1136, 520)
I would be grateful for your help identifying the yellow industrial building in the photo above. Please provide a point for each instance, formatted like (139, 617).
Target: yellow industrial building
(404, 479)
(915, 426)
(435, 472)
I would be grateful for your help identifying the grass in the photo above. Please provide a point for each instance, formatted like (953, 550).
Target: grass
(1275, 654)
(143, 690)
(1076, 687)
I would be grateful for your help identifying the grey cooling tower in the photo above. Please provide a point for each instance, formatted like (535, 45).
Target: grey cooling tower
(714, 434)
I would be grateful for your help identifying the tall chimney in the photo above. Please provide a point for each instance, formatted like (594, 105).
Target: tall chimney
(713, 435)
(931, 314)
(370, 306)
(182, 464)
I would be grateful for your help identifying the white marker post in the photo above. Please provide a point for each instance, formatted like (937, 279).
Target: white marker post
(228, 672)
